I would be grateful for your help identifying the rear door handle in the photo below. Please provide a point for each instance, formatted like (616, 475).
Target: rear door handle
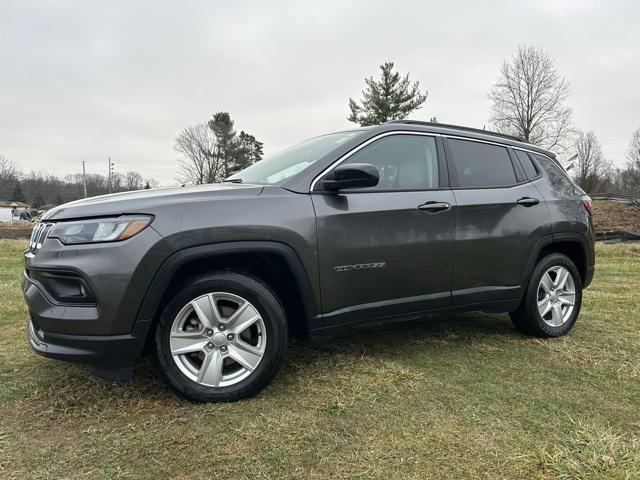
(528, 201)
(434, 207)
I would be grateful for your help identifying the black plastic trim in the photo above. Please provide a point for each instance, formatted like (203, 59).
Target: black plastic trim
(493, 306)
(152, 299)
(383, 309)
(105, 351)
(557, 238)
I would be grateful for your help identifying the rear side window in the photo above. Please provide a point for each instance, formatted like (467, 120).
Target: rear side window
(481, 164)
(530, 169)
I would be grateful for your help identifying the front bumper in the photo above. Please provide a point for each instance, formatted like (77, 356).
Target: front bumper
(104, 351)
(83, 300)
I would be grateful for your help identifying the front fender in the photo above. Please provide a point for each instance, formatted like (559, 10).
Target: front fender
(153, 298)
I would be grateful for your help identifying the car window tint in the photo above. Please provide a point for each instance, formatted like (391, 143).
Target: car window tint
(530, 169)
(481, 164)
(557, 176)
(405, 162)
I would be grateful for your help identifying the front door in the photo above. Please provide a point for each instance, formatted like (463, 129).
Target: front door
(388, 250)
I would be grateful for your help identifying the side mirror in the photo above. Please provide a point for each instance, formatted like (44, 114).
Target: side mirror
(352, 175)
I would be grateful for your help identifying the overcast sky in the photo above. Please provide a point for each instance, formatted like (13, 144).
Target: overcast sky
(83, 80)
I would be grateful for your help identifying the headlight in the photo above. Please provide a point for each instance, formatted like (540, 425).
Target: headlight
(99, 229)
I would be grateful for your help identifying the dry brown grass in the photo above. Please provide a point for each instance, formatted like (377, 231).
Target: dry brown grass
(453, 397)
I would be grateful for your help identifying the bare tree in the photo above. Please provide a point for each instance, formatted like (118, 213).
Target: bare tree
(199, 162)
(529, 100)
(133, 181)
(593, 171)
(633, 162)
(633, 152)
(8, 172)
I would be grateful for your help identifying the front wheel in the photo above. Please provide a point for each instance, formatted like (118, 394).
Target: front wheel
(221, 338)
(552, 300)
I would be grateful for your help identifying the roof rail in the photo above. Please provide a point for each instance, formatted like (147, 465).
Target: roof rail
(459, 127)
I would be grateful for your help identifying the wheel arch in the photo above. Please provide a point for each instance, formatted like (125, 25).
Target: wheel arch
(572, 245)
(275, 263)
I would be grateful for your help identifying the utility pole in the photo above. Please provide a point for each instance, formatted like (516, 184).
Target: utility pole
(110, 174)
(84, 180)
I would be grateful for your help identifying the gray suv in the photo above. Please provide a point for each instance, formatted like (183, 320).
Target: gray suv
(379, 223)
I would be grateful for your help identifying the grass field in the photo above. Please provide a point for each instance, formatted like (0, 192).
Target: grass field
(464, 396)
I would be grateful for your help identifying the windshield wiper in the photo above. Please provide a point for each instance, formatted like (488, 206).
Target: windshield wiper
(232, 180)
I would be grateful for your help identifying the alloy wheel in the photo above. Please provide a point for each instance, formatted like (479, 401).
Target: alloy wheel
(218, 339)
(556, 296)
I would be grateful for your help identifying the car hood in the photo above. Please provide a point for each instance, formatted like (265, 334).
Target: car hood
(148, 201)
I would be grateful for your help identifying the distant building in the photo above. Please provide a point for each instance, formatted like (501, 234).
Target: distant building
(11, 210)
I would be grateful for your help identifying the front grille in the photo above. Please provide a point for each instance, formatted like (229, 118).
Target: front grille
(38, 236)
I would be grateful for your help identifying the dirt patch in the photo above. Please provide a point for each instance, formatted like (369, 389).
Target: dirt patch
(16, 230)
(610, 216)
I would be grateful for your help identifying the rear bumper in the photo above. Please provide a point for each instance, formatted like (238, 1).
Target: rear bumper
(591, 255)
(104, 351)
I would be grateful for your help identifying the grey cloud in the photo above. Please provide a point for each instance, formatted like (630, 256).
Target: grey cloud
(84, 80)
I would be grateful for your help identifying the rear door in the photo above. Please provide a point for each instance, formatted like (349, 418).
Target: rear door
(500, 217)
(388, 250)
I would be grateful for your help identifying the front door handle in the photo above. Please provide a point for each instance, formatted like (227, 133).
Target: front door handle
(434, 207)
(528, 201)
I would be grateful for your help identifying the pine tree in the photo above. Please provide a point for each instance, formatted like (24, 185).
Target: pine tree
(235, 152)
(147, 185)
(390, 98)
(17, 195)
(249, 151)
(222, 127)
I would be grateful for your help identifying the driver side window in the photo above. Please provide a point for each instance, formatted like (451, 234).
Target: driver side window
(405, 162)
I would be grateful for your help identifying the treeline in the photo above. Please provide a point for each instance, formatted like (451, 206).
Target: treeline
(39, 189)
(529, 99)
(596, 174)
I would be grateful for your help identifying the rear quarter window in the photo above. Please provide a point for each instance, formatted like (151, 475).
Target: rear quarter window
(558, 178)
(481, 164)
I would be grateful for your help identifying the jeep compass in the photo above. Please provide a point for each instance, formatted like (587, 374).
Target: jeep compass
(373, 224)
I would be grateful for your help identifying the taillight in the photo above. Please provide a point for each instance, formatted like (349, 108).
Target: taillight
(586, 203)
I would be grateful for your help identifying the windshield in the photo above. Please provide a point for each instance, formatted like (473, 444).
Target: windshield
(293, 160)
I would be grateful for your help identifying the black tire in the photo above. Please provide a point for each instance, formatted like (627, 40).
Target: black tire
(527, 318)
(275, 323)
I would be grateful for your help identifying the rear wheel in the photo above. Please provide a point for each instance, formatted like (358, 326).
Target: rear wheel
(552, 300)
(221, 338)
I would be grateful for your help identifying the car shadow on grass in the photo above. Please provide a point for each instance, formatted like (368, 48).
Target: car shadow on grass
(74, 388)
(460, 330)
